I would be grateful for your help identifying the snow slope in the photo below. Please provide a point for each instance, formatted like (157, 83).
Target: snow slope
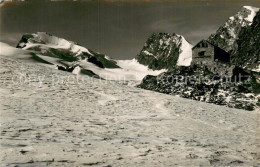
(99, 123)
(130, 70)
(134, 69)
(7, 50)
(44, 39)
(185, 56)
(26, 56)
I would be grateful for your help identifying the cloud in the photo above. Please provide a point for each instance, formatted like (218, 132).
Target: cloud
(7, 2)
(200, 33)
(167, 25)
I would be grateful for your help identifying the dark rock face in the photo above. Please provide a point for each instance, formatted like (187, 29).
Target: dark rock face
(161, 51)
(227, 35)
(248, 46)
(82, 71)
(101, 61)
(90, 73)
(95, 61)
(201, 84)
(68, 69)
(24, 40)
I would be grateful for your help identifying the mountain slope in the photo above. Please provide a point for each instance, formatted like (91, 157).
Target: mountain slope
(240, 37)
(67, 51)
(165, 51)
(247, 54)
(235, 84)
(64, 55)
(227, 35)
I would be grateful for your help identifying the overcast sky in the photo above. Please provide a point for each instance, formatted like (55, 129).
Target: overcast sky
(118, 28)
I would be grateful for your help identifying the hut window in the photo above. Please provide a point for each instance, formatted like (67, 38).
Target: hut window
(202, 53)
(204, 45)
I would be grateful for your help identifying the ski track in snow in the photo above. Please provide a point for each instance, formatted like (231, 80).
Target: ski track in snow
(105, 98)
(101, 124)
(161, 107)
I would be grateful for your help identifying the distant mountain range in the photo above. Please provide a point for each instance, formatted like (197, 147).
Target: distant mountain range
(165, 51)
(238, 38)
(237, 42)
(61, 54)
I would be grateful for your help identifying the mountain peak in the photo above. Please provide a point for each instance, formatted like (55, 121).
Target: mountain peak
(244, 17)
(165, 51)
(227, 35)
(253, 11)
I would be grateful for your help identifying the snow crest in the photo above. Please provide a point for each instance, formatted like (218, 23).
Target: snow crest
(44, 39)
(253, 11)
(7, 50)
(130, 70)
(185, 56)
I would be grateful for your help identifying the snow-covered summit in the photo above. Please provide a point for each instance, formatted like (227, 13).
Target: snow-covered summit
(68, 56)
(253, 11)
(44, 39)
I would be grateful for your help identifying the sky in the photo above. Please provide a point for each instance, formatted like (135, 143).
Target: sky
(117, 28)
